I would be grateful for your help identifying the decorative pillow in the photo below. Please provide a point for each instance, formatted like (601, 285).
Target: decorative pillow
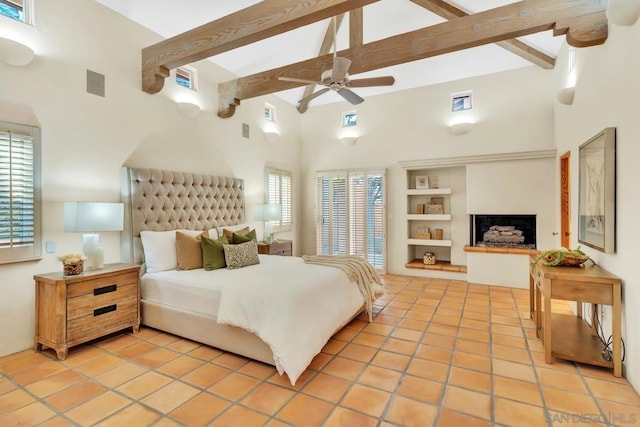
(243, 238)
(213, 233)
(160, 249)
(188, 251)
(229, 230)
(213, 253)
(241, 255)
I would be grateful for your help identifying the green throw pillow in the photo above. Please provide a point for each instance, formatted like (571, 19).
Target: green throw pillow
(213, 253)
(244, 238)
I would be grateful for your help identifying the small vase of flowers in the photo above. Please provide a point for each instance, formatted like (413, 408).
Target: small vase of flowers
(72, 263)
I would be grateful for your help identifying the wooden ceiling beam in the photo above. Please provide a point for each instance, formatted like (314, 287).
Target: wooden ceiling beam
(515, 46)
(260, 21)
(584, 22)
(355, 28)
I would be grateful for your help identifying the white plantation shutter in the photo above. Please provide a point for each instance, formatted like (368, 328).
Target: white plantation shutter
(350, 214)
(278, 191)
(19, 193)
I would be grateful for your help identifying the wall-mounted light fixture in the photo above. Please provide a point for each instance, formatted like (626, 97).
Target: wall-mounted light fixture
(271, 135)
(188, 109)
(461, 128)
(348, 140)
(565, 96)
(623, 12)
(15, 53)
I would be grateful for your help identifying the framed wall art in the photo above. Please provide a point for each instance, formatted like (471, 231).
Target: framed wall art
(597, 192)
(422, 182)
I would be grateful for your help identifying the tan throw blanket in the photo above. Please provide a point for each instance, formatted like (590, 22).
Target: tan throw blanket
(357, 270)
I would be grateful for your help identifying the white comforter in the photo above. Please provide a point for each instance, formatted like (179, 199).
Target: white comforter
(292, 306)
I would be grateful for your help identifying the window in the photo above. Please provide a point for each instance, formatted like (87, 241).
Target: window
(269, 112)
(186, 77)
(350, 212)
(461, 101)
(350, 118)
(278, 191)
(16, 9)
(19, 193)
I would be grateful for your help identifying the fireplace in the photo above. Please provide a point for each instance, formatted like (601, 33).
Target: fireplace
(512, 231)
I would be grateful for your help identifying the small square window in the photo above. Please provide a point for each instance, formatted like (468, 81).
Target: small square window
(269, 112)
(350, 118)
(17, 9)
(461, 101)
(186, 77)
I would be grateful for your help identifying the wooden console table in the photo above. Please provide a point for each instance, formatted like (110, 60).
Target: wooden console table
(570, 337)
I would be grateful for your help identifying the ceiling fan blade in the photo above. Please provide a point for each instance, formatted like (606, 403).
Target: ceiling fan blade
(293, 79)
(372, 81)
(314, 95)
(350, 96)
(340, 68)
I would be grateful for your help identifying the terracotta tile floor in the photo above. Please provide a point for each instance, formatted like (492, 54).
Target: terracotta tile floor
(438, 352)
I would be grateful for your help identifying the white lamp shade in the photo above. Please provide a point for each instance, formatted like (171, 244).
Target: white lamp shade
(268, 212)
(349, 140)
(93, 216)
(623, 12)
(14, 53)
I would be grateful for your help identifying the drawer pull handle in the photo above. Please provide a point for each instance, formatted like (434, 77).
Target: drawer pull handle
(105, 289)
(104, 310)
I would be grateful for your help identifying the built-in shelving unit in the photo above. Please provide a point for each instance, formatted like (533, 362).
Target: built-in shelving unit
(419, 220)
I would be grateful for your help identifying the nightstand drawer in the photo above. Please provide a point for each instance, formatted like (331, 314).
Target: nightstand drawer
(84, 305)
(102, 320)
(101, 284)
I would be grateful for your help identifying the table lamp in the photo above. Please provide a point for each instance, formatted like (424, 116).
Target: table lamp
(268, 213)
(90, 218)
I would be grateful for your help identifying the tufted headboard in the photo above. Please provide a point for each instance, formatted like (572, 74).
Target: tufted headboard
(160, 200)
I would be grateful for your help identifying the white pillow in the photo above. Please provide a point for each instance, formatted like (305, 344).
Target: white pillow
(213, 233)
(160, 249)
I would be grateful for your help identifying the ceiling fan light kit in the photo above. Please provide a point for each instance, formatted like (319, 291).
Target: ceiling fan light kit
(337, 79)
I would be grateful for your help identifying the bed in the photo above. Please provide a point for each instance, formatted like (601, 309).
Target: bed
(280, 311)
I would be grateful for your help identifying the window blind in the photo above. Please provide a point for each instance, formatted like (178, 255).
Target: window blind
(279, 191)
(19, 197)
(350, 219)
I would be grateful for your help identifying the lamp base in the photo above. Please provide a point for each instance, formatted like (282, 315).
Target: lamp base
(93, 251)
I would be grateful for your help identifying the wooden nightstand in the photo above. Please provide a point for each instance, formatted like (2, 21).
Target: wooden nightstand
(73, 310)
(279, 247)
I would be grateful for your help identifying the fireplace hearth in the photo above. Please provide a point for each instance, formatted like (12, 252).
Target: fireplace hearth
(510, 231)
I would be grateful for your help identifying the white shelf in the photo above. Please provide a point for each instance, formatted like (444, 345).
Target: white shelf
(428, 217)
(428, 191)
(429, 242)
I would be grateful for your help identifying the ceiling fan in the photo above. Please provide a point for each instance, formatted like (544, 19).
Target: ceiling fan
(337, 79)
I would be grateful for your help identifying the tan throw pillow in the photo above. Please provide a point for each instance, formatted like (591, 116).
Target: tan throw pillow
(229, 233)
(188, 251)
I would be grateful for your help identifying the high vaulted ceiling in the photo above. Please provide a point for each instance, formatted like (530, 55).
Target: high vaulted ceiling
(380, 20)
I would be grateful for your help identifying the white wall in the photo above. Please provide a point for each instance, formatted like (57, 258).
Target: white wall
(512, 111)
(86, 139)
(607, 92)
